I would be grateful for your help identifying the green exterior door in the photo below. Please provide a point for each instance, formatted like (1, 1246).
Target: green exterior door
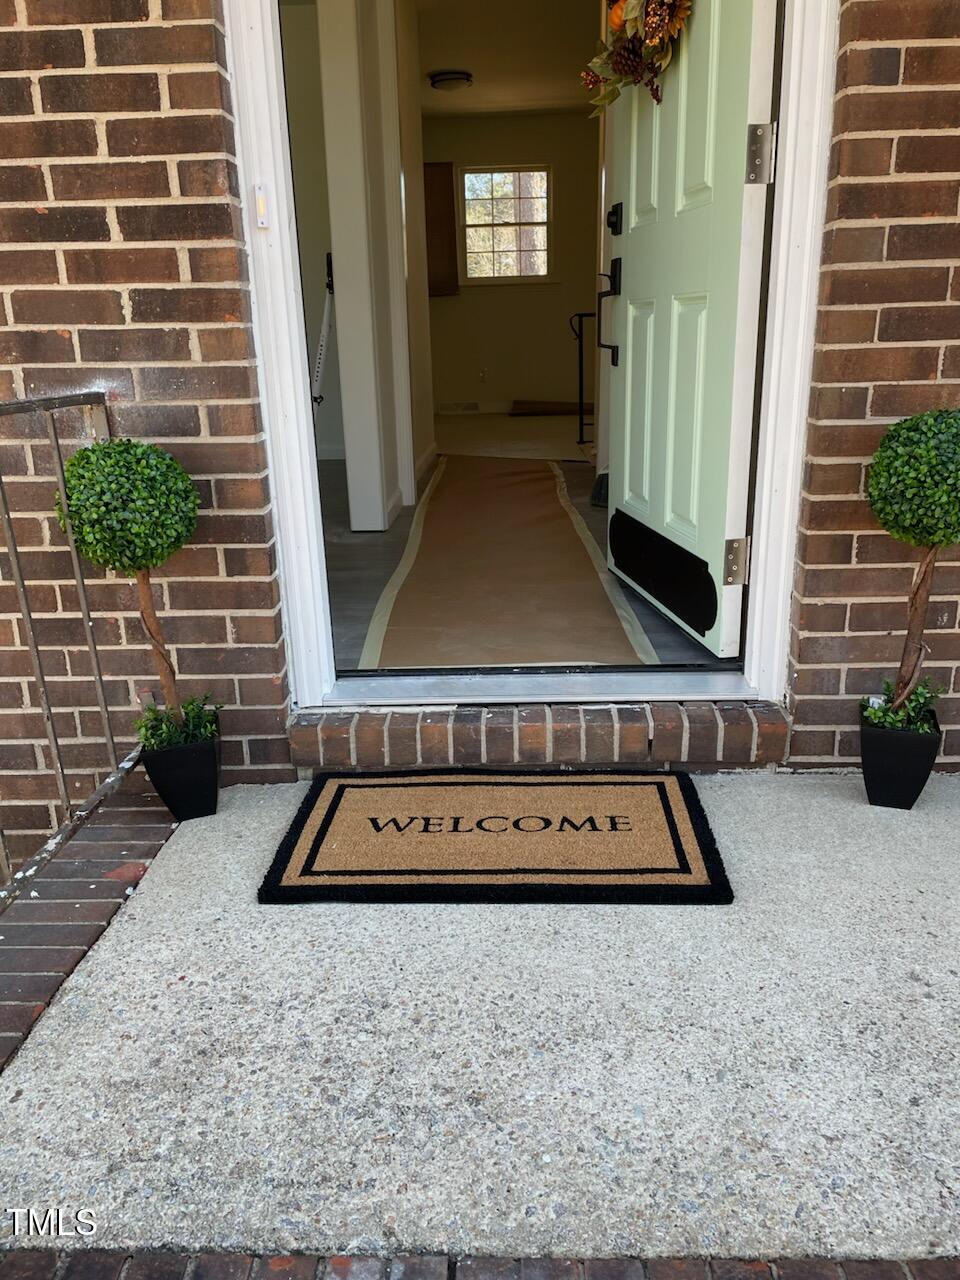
(681, 398)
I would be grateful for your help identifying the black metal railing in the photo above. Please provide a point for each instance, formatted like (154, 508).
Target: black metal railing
(577, 327)
(97, 427)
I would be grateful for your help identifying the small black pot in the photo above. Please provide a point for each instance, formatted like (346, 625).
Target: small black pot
(187, 779)
(897, 763)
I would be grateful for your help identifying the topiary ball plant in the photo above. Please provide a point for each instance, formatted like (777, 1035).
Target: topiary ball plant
(914, 491)
(131, 506)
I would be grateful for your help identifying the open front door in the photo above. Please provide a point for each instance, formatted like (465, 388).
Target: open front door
(686, 246)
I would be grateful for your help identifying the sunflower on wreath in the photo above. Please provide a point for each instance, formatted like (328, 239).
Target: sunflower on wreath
(638, 48)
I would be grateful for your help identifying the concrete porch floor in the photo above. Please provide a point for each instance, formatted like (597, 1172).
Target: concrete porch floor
(778, 1077)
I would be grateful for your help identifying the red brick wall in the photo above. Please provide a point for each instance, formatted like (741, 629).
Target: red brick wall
(122, 268)
(888, 345)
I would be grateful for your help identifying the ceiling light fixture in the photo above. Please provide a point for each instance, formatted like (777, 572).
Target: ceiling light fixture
(450, 81)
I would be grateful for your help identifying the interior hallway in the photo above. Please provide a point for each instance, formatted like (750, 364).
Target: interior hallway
(359, 565)
(500, 435)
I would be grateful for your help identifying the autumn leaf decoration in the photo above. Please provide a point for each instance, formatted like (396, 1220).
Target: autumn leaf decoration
(637, 50)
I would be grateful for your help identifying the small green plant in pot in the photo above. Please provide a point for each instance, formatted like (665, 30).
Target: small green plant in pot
(131, 506)
(914, 491)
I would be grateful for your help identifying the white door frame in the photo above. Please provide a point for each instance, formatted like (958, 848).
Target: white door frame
(253, 36)
(809, 65)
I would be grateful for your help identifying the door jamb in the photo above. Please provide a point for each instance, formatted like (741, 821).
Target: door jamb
(809, 61)
(810, 42)
(279, 328)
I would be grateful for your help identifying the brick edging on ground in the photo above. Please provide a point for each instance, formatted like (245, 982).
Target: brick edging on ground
(94, 1264)
(698, 735)
(71, 898)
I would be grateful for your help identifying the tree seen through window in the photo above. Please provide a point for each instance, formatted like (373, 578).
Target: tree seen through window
(507, 223)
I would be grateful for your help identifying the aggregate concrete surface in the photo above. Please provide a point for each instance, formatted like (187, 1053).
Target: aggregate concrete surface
(779, 1076)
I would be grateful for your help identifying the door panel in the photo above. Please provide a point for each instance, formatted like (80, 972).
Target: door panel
(685, 416)
(644, 163)
(681, 399)
(639, 373)
(697, 84)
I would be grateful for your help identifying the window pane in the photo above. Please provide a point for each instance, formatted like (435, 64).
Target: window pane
(533, 237)
(479, 211)
(506, 232)
(533, 183)
(477, 185)
(479, 265)
(480, 240)
(505, 211)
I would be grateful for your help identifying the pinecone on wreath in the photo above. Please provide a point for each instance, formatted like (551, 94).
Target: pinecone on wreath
(627, 58)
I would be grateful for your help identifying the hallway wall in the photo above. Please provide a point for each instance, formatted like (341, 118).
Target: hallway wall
(301, 68)
(418, 302)
(518, 333)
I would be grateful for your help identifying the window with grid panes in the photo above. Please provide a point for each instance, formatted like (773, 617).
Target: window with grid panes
(507, 223)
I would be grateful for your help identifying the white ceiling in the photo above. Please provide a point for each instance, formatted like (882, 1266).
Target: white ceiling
(524, 57)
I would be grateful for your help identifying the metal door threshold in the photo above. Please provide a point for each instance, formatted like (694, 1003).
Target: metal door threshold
(485, 688)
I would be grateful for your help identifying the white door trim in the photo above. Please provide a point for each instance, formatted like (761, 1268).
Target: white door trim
(253, 42)
(809, 64)
(810, 43)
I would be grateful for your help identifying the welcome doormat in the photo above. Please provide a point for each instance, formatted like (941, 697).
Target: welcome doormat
(499, 837)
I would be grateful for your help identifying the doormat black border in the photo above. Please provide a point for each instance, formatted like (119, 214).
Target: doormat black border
(717, 893)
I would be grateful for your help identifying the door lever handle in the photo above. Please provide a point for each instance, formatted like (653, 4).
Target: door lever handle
(615, 279)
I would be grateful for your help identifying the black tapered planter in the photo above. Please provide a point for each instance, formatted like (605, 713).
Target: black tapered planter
(897, 763)
(187, 779)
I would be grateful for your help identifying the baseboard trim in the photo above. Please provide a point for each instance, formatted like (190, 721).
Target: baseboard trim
(426, 462)
(470, 408)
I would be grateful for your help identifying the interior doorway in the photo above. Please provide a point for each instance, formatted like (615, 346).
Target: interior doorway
(496, 552)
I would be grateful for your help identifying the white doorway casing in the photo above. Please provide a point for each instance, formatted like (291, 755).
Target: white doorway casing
(808, 72)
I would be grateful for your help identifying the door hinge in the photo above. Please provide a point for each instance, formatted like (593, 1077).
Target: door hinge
(761, 153)
(736, 562)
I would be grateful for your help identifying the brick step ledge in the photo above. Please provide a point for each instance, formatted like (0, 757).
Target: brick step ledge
(701, 736)
(100, 1264)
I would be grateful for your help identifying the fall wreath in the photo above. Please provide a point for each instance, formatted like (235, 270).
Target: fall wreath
(638, 47)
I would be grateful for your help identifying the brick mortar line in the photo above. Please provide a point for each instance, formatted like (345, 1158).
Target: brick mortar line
(69, 281)
(115, 160)
(908, 264)
(897, 264)
(895, 178)
(128, 25)
(903, 88)
(873, 135)
(885, 306)
(49, 115)
(684, 734)
(932, 345)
